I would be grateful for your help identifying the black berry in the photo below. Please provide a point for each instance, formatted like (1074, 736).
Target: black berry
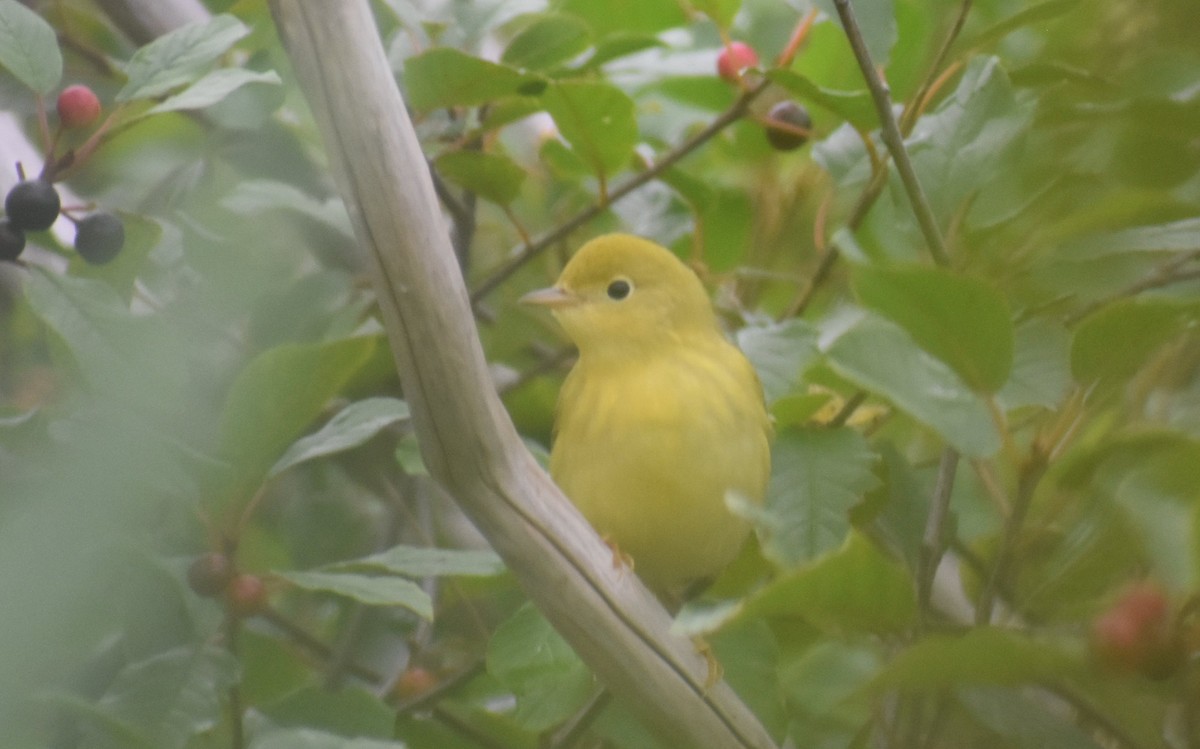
(99, 237)
(208, 574)
(788, 124)
(12, 240)
(32, 205)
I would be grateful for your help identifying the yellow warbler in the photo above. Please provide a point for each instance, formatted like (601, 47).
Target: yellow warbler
(661, 417)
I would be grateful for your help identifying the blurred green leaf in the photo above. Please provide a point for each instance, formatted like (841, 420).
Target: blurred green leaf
(596, 119)
(445, 77)
(551, 40)
(1021, 721)
(530, 658)
(1041, 371)
(853, 589)
(879, 356)
(1038, 13)
(1176, 236)
(627, 16)
(1115, 342)
(309, 738)
(490, 175)
(856, 107)
(416, 561)
(961, 320)
(817, 475)
(352, 427)
(213, 88)
(162, 701)
(278, 395)
(877, 22)
(721, 12)
(828, 674)
(985, 655)
(780, 353)
(29, 47)
(366, 589)
(177, 58)
(348, 711)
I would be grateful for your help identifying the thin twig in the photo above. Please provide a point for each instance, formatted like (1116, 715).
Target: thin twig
(916, 104)
(1031, 474)
(890, 132)
(1092, 718)
(565, 735)
(933, 543)
(1163, 275)
(724, 120)
(315, 646)
(237, 737)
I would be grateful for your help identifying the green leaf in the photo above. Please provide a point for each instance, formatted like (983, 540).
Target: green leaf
(596, 119)
(828, 674)
(984, 655)
(350, 710)
(972, 136)
(547, 677)
(962, 321)
(174, 695)
(29, 47)
(1041, 371)
(721, 12)
(549, 41)
(1023, 722)
(877, 22)
(279, 393)
(352, 427)
(309, 738)
(213, 88)
(856, 588)
(445, 77)
(856, 107)
(780, 353)
(178, 57)
(491, 176)
(817, 475)
(1034, 14)
(415, 561)
(627, 16)
(879, 356)
(384, 590)
(1114, 343)
(1177, 236)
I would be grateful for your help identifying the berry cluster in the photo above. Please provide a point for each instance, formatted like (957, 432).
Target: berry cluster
(213, 574)
(34, 204)
(787, 125)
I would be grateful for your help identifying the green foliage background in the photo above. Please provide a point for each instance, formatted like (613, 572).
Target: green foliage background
(224, 385)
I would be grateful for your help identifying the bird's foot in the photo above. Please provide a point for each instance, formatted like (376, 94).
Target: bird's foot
(621, 562)
(715, 670)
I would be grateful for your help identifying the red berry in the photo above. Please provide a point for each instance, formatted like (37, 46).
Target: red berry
(734, 59)
(787, 126)
(208, 574)
(247, 595)
(413, 683)
(1137, 635)
(78, 107)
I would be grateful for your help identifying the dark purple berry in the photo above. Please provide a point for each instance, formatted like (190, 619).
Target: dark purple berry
(32, 205)
(12, 240)
(788, 124)
(209, 574)
(99, 237)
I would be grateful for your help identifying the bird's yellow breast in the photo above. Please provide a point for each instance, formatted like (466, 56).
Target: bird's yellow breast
(648, 447)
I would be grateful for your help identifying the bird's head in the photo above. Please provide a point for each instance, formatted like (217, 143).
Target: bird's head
(621, 292)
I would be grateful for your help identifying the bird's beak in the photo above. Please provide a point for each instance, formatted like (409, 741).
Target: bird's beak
(552, 297)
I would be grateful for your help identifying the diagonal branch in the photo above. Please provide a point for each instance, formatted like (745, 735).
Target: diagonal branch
(466, 438)
(890, 132)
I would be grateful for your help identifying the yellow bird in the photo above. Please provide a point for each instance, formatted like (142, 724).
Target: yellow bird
(661, 417)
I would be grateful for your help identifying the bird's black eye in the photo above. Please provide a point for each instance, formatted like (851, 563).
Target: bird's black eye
(619, 289)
